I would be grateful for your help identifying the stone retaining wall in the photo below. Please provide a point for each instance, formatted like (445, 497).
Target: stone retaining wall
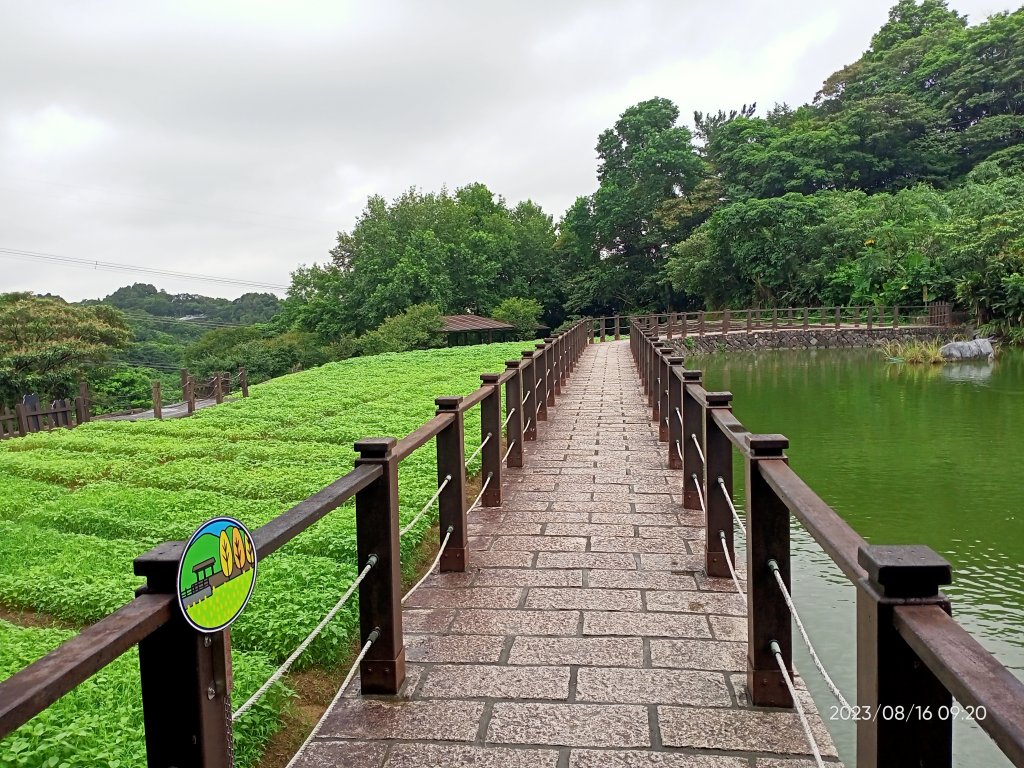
(813, 338)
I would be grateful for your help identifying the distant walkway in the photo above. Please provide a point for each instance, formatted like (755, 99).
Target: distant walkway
(173, 411)
(584, 633)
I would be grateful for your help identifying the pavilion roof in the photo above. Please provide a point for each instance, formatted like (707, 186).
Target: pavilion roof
(458, 323)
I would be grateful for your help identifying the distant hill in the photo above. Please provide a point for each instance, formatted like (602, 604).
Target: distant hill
(247, 309)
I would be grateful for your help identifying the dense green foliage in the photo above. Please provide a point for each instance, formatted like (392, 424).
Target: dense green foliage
(418, 327)
(901, 183)
(523, 314)
(144, 299)
(79, 505)
(46, 344)
(461, 252)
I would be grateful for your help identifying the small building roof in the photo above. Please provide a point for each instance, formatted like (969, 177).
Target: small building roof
(458, 323)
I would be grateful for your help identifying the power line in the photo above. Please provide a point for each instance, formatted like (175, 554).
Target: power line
(199, 323)
(17, 253)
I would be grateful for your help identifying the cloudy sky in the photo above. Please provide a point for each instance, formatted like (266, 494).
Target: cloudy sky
(234, 139)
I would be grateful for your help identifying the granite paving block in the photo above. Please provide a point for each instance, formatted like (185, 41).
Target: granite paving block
(740, 730)
(471, 680)
(615, 560)
(693, 654)
(652, 686)
(447, 649)
(729, 627)
(493, 559)
(377, 719)
(540, 543)
(646, 624)
(585, 651)
(410, 755)
(573, 725)
(532, 577)
(587, 529)
(613, 758)
(719, 603)
(467, 597)
(504, 529)
(485, 622)
(677, 562)
(427, 619)
(641, 580)
(329, 754)
(586, 598)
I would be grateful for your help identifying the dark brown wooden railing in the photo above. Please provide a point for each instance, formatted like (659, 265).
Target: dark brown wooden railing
(185, 674)
(700, 324)
(912, 656)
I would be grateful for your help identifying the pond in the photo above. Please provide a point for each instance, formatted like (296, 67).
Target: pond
(907, 455)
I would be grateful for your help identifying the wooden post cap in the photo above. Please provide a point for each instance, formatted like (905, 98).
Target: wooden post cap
(375, 447)
(907, 570)
(766, 446)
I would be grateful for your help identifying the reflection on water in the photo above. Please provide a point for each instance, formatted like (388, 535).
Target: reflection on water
(907, 455)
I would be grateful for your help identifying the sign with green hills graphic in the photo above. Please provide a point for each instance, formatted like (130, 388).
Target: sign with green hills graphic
(216, 574)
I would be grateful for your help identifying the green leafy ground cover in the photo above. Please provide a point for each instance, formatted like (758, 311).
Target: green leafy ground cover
(77, 506)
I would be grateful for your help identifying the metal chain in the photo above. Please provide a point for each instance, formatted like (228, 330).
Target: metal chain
(774, 566)
(796, 702)
(732, 570)
(735, 514)
(409, 526)
(280, 672)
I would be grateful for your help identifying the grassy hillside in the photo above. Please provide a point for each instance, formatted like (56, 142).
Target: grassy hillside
(79, 505)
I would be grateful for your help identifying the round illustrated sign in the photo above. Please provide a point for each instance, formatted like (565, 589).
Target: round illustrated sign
(216, 574)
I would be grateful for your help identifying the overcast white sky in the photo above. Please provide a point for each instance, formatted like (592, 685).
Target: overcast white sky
(236, 138)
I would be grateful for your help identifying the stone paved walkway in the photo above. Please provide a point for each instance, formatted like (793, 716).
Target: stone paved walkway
(583, 633)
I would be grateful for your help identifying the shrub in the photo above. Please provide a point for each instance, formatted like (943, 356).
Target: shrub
(419, 327)
(521, 313)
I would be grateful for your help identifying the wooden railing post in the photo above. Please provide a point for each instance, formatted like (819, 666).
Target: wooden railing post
(554, 383)
(490, 424)
(663, 390)
(185, 674)
(767, 539)
(717, 465)
(514, 400)
(22, 413)
(190, 396)
(693, 421)
(675, 408)
(896, 316)
(243, 381)
(839, 311)
(700, 324)
(451, 461)
(218, 393)
(806, 317)
(618, 333)
(530, 406)
(541, 389)
(893, 686)
(158, 411)
(83, 393)
(380, 593)
(654, 378)
(604, 322)
(749, 319)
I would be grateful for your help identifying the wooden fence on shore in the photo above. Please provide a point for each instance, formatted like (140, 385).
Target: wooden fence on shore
(684, 324)
(913, 658)
(186, 690)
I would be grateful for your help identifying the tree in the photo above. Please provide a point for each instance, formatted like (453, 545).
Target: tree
(523, 314)
(47, 344)
(419, 327)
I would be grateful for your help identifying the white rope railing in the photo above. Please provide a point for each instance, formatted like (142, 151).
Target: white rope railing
(774, 566)
(508, 418)
(700, 493)
(370, 640)
(505, 457)
(679, 450)
(696, 442)
(679, 415)
(433, 565)
(777, 651)
(528, 423)
(479, 448)
(732, 569)
(409, 526)
(732, 507)
(481, 494)
(283, 669)
(527, 396)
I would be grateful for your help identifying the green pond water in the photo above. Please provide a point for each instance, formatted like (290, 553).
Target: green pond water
(907, 455)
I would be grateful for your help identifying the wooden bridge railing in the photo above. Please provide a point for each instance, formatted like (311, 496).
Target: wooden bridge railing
(31, 416)
(185, 689)
(912, 656)
(699, 324)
